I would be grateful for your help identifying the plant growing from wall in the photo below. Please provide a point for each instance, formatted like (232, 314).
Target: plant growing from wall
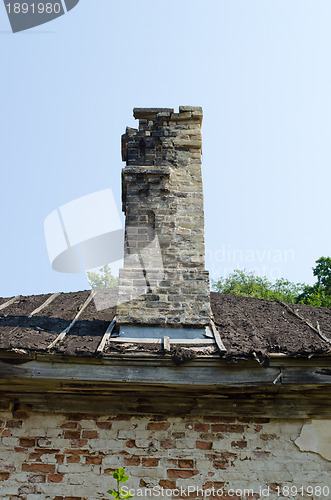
(121, 477)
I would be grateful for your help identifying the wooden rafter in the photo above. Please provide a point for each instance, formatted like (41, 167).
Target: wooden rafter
(61, 336)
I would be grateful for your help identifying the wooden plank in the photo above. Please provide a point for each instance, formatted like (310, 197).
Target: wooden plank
(106, 336)
(7, 370)
(9, 302)
(272, 405)
(217, 337)
(308, 376)
(323, 337)
(166, 344)
(193, 342)
(308, 323)
(134, 340)
(61, 336)
(157, 370)
(189, 376)
(171, 375)
(143, 340)
(211, 387)
(208, 332)
(45, 304)
(155, 360)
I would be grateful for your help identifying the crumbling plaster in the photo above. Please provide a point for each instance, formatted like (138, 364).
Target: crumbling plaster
(315, 436)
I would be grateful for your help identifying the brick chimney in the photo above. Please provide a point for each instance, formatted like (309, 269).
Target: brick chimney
(164, 281)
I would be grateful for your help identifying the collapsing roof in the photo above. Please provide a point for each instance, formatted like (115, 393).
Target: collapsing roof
(93, 351)
(248, 327)
(58, 353)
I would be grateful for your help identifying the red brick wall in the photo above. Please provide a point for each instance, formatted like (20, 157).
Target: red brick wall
(68, 457)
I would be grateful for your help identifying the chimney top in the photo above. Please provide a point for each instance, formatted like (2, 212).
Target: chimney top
(150, 113)
(185, 113)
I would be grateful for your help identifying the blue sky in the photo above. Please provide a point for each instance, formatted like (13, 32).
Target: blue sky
(260, 70)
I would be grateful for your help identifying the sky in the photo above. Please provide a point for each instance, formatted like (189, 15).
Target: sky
(259, 68)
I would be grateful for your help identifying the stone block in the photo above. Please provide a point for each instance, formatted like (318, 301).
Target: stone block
(150, 113)
(185, 109)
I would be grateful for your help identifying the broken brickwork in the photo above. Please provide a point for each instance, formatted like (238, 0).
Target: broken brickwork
(164, 281)
(69, 457)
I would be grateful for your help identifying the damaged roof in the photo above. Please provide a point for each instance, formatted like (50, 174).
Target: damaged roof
(68, 324)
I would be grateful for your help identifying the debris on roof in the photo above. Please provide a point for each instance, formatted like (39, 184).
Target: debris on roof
(248, 327)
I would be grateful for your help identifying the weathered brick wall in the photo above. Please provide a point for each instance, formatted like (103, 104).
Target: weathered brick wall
(68, 457)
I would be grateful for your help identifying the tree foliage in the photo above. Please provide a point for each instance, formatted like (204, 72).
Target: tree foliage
(247, 284)
(102, 279)
(318, 294)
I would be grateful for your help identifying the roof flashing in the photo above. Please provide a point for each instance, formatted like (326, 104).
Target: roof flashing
(157, 332)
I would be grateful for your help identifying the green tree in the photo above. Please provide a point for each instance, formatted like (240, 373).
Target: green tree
(102, 279)
(247, 284)
(318, 294)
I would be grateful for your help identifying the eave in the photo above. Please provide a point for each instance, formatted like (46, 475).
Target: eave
(140, 384)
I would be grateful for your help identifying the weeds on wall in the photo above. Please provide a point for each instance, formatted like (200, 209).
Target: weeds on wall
(121, 477)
